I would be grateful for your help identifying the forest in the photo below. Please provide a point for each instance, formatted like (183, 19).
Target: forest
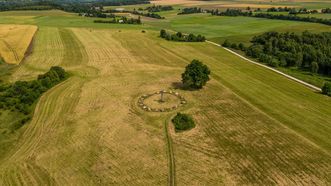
(308, 51)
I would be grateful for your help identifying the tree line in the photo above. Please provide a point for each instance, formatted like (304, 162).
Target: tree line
(237, 12)
(121, 20)
(21, 95)
(292, 10)
(326, 11)
(148, 14)
(158, 8)
(95, 13)
(68, 6)
(181, 37)
(192, 10)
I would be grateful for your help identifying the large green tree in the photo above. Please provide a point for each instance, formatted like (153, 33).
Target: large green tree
(196, 75)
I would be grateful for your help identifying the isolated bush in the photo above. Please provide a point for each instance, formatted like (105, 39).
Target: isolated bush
(196, 75)
(163, 33)
(183, 122)
(326, 89)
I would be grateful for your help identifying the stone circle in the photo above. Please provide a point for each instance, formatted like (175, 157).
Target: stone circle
(170, 95)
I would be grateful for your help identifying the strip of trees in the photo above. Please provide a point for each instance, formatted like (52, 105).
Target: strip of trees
(192, 10)
(158, 8)
(121, 20)
(237, 12)
(279, 9)
(99, 14)
(292, 10)
(326, 11)
(21, 95)
(293, 18)
(152, 15)
(181, 37)
(68, 6)
(148, 14)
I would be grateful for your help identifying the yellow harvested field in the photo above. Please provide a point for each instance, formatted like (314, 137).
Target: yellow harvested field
(89, 130)
(14, 41)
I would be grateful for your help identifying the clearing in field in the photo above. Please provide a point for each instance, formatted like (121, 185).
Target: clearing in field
(14, 42)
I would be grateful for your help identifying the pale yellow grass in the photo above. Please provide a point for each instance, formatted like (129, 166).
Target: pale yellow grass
(14, 41)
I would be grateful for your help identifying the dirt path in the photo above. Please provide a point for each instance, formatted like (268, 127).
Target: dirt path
(172, 170)
(272, 69)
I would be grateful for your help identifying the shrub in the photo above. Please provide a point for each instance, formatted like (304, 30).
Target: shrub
(326, 89)
(273, 63)
(196, 75)
(226, 43)
(183, 122)
(234, 46)
(242, 46)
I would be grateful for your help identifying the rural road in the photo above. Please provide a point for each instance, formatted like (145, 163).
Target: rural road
(277, 71)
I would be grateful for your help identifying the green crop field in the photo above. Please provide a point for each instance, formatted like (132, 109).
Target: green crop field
(253, 126)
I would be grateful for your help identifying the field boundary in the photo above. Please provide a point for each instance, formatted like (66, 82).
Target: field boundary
(30, 48)
(267, 67)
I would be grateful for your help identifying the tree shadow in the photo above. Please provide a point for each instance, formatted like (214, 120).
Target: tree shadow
(181, 86)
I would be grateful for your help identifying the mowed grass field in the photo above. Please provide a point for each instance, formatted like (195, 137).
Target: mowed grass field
(14, 41)
(254, 127)
(236, 29)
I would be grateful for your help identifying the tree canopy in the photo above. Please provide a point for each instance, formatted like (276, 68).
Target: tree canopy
(21, 95)
(181, 37)
(326, 89)
(309, 51)
(196, 75)
(183, 122)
